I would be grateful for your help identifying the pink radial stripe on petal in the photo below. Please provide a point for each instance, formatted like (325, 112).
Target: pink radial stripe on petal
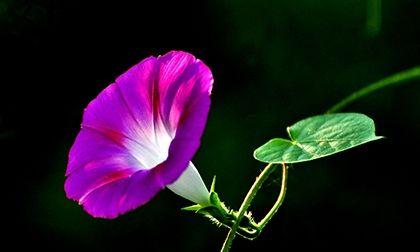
(139, 134)
(122, 195)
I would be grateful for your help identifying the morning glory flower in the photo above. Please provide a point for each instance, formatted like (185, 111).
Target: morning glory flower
(139, 135)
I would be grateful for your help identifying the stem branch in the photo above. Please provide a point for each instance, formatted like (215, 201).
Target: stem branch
(278, 202)
(246, 203)
(393, 80)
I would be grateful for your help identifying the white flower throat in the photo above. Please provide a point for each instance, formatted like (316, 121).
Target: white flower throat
(189, 185)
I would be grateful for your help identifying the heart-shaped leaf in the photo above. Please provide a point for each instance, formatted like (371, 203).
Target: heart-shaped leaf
(317, 137)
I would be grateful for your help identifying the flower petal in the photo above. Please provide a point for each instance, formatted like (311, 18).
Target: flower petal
(183, 81)
(122, 195)
(106, 174)
(179, 98)
(139, 134)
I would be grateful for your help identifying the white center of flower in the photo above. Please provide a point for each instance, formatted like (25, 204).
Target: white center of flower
(189, 185)
(152, 151)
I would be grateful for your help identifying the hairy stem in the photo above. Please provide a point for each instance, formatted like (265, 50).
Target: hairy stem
(278, 202)
(393, 80)
(246, 203)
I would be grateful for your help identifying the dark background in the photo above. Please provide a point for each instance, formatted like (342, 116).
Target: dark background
(274, 62)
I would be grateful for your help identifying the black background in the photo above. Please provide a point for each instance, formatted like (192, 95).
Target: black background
(274, 62)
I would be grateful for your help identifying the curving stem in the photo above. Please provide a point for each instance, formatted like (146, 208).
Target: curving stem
(393, 80)
(246, 203)
(249, 198)
(278, 202)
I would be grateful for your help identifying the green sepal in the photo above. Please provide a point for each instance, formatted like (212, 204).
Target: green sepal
(193, 208)
(221, 215)
(213, 184)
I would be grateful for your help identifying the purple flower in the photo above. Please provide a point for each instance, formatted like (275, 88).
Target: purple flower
(139, 135)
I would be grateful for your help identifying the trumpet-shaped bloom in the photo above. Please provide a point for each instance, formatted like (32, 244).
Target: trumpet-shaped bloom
(139, 135)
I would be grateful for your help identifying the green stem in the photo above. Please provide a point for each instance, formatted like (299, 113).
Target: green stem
(393, 80)
(278, 202)
(246, 203)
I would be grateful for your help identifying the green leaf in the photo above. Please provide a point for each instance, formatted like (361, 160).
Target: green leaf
(317, 137)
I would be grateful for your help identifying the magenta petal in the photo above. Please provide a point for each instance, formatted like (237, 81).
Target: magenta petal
(139, 134)
(100, 160)
(122, 195)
